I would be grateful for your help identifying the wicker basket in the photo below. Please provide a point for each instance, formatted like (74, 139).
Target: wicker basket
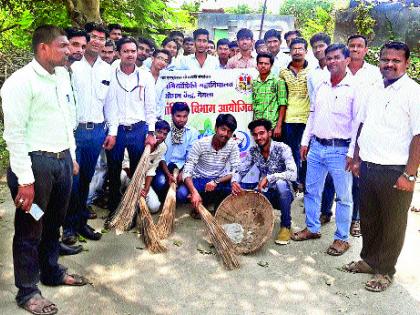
(250, 216)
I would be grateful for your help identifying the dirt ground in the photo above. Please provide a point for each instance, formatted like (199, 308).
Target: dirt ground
(299, 278)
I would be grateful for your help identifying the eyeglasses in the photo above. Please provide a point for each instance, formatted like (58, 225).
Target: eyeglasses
(94, 37)
(162, 59)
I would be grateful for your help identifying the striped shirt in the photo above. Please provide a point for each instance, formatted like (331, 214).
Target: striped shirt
(267, 97)
(205, 162)
(297, 94)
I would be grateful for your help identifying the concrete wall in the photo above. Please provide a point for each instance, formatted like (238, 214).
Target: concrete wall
(234, 22)
(397, 19)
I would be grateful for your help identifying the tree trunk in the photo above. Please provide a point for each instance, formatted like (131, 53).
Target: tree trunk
(83, 11)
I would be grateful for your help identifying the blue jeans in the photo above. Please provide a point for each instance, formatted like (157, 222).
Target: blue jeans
(294, 133)
(88, 146)
(328, 196)
(161, 186)
(332, 160)
(133, 141)
(281, 197)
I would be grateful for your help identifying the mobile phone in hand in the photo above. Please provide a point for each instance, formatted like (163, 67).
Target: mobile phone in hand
(36, 212)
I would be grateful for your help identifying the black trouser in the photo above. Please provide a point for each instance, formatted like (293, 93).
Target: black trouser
(383, 216)
(35, 243)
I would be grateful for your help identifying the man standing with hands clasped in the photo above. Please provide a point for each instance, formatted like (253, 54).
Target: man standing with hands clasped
(388, 149)
(37, 101)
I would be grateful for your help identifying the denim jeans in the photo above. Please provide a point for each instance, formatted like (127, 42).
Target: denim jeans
(35, 243)
(161, 186)
(328, 196)
(133, 141)
(88, 147)
(322, 160)
(294, 132)
(281, 197)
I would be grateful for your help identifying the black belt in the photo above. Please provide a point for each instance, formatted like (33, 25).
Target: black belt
(399, 168)
(56, 155)
(334, 142)
(131, 127)
(90, 125)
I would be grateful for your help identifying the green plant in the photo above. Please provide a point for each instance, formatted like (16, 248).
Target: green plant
(4, 154)
(363, 20)
(303, 10)
(322, 22)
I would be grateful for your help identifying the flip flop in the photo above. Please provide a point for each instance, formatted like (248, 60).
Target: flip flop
(39, 305)
(78, 280)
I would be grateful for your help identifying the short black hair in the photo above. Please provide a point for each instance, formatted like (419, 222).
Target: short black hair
(110, 43)
(259, 43)
(179, 107)
(233, 44)
(299, 40)
(294, 32)
(266, 55)
(163, 51)
(357, 36)
(320, 37)
(168, 40)
(200, 31)
(76, 32)
(162, 124)
(147, 42)
(244, 33)
(188, 39)
(338, 46)
(227, 120)
(260, 122)
(397, 46)
(222, 42)
(212, 42)
(176, 33)
(45, 34)
(89, 26)
(97, 27)
(125, 40)
(272, 33)
(114, 26)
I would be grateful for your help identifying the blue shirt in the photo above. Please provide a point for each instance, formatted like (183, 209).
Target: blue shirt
(177, 153)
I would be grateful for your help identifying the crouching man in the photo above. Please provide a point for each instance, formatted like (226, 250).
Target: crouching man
(277, 168)
(210, 164)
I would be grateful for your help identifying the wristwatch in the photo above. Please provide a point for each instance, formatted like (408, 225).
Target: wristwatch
(411, 178)
(216, 181)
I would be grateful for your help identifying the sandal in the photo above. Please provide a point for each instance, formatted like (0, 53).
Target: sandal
(355, 229)
(304, 235)
(78, 280)
(358, 267)
(379, 283)
(338, 248)
(39, 305)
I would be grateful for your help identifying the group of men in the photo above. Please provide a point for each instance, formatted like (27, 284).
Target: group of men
(315, 124)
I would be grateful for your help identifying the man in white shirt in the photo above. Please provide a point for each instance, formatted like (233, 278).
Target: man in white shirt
(160, 59)
(200, 59)
(92, 78)
(223, 52)
(273, 41)
(366, 76)
(131, 104)
(387, 158)
(38, 131)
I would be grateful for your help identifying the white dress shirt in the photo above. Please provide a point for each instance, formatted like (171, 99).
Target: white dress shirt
(314, 80)
(91, 84)
(160, 89)
(37, 110)
(190, 62)
(390, 121)
(334, 113)
(366, 78)
(281, 60)
(131, 99)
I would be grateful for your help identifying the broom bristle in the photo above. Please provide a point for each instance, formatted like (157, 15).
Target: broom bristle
(165, 225)
(220, 240)
(126, 210)
(149, 232)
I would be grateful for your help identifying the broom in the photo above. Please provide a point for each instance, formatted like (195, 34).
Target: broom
(126, 210)
(220, 240)
(149, 232)
(165, 225)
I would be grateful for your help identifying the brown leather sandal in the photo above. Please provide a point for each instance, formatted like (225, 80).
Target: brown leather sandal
(39, 305)
(355, 230)
(338, 248)
(358, 267)
(379, 283)
(304, 235)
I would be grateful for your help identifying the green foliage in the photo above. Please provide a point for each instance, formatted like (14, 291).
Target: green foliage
(240, 9)
(322, 22)
(363, 21)
(303, 10)
(4, 154)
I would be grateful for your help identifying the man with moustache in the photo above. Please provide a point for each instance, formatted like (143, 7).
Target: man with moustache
(131, 100)
(115, 32)
(188, 46)
(145, 51)
(366, 76)
(332, 126)
(92, 78)
(200, 59)
(277, 169)
(244, 59)
(211, 163)
(387, 158)
(36, 102)
(78, 40)
(107, 53)
(223, 52)
(296, 113)
(272, 39)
